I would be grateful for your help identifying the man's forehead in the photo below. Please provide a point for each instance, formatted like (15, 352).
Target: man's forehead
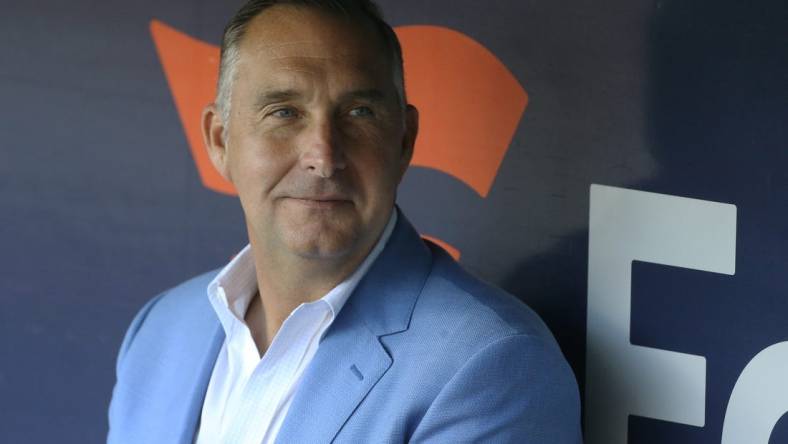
(299, 62)
(309, 49)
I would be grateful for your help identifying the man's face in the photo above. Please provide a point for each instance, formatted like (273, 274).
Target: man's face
(317, 140)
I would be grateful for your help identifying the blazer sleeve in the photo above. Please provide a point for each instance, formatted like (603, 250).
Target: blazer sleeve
(128, 339)
(518, 389)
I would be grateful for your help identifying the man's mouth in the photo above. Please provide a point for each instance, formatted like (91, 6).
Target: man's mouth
(321, 202)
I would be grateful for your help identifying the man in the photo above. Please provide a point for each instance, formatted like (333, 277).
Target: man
(337, 323)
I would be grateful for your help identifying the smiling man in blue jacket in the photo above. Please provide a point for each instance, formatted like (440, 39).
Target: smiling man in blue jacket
(337, 323)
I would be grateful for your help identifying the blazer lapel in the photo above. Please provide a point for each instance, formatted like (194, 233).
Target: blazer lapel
(351, 359)
(190, 380)
(348, 363)
(189, 348)
(169, 366)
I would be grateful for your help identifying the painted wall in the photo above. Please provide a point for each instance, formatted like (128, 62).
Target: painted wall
(620, 166)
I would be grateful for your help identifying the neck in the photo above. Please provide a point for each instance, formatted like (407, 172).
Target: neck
(284, 283)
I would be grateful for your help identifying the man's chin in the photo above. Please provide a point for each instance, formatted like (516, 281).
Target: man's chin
(327, 249)
(322, 240)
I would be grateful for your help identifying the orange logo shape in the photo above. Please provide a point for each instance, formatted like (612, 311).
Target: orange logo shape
(470, 103)
(191, 67)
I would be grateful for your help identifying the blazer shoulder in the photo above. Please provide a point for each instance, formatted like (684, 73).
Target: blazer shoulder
(477, 346)
(186, 296)
(171, 313)
(460, 298)
(162, 363)
(181, 303)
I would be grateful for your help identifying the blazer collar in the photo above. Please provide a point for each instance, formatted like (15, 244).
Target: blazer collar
(197, 378)
(351, 359)
(193, 363)
(385, 298)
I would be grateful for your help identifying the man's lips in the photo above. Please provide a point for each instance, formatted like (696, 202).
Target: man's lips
(321, 201)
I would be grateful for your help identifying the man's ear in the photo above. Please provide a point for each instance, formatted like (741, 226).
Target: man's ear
(409, 139)
(213, 131)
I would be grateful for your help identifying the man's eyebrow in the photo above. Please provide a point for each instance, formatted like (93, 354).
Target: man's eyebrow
(272, 96)
(371, 95)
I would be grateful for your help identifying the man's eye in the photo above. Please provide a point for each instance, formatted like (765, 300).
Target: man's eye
(361, 111)
(284, 113)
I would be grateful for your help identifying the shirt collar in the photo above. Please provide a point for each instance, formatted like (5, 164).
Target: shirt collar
(337, 297)
(231, 291)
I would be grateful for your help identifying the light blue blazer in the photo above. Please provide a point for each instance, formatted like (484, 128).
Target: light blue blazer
(422, 352)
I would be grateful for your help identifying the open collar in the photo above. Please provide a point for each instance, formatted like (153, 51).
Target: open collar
(351, 358)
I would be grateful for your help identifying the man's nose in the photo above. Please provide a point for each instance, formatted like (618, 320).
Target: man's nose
(322, 154)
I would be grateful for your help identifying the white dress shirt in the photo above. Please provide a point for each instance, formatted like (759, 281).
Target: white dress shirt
(248, 396)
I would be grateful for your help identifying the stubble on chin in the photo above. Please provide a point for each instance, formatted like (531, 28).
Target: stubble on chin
(315, 233)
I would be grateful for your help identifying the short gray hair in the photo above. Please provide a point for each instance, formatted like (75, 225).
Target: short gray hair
(364, 10)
